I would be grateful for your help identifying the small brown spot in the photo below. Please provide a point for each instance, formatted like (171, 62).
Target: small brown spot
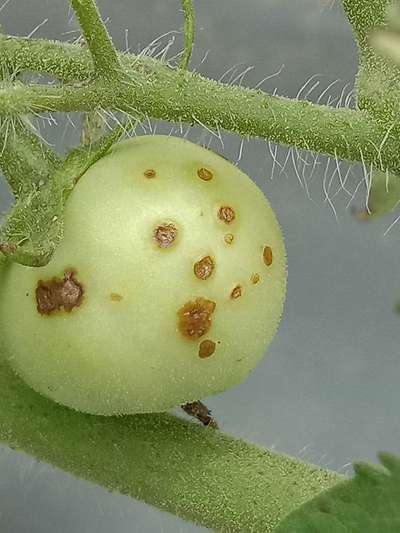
(226, 214)
(165, 235)
(206, 348)
(59, 294)
(267, 255)
(194, 318)
(237, 292)
(204, 268)
(150, 173)
(115, 297)
(228, 238)
(255, 278)
(205, 174)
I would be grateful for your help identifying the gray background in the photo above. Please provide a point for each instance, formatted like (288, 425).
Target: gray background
(327, 390)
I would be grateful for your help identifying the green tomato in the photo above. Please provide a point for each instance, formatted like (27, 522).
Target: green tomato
(167, 287)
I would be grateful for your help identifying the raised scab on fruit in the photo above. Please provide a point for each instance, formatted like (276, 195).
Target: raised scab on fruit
(116, 297)
(165, 235)
(150, 173)
(267, 255)
(194, 318)
(228, 238)
(206, 348)
(204, 268)
(226, 214)
(255, 278)
(59, 294)
(236, 292)
(205, 174)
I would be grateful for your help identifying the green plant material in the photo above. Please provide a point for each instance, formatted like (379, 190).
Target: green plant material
(93, 127)
(378, 79)
(383, 197)
(387, 41)
(194, 472)
(388, 44)
(184, 273)
(189, 29)
(156, 90)
(25, 160)
(104, 55)
(368, 503)
(34, 226)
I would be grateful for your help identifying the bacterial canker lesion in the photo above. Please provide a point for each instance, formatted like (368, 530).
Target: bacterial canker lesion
(150, 173)
(165, 235)
(59, 294)
(226, 214)
(204, 268)
(194, 318)
(267, 255)
(236, 292)
(116, 297)
(205, 174)
(206, 348)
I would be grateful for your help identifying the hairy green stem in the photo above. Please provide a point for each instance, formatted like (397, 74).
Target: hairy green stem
(155, 89)
(197, 473)
(189, 29)
(365, 15)
(343, 133)
(105, 57)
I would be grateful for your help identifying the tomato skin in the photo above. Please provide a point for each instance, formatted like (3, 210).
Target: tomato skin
(116, 323)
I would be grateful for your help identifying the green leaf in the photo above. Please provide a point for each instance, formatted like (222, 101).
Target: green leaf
(369, 503)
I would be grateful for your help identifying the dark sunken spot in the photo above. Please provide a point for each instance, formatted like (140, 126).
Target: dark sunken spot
(165, 235)
(204, 268)
(206, 348)
(226, 214)
(194, 318)
(59, 294)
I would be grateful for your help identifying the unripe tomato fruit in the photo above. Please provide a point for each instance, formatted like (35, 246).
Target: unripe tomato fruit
(167, 287)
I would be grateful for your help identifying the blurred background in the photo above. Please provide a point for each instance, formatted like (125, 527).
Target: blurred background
(327, 390)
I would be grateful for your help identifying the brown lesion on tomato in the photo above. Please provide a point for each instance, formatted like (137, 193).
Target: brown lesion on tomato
(206, 348)
(205, 174)
(226, 214)
(267, 255)
(228, 238)
(236, 292)
(59, 294)
(255, 278)
(150, 173)
(194, 318)
(204, 268)
(116, 297)
(165, 235)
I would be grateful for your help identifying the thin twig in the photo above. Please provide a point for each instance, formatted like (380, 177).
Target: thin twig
(189, 29)
(104, 54)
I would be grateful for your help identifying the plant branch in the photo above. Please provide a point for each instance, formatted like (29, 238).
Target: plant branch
(197, 473)
(105, 57)
(365, 15)
(189, 29)
(343, 133)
